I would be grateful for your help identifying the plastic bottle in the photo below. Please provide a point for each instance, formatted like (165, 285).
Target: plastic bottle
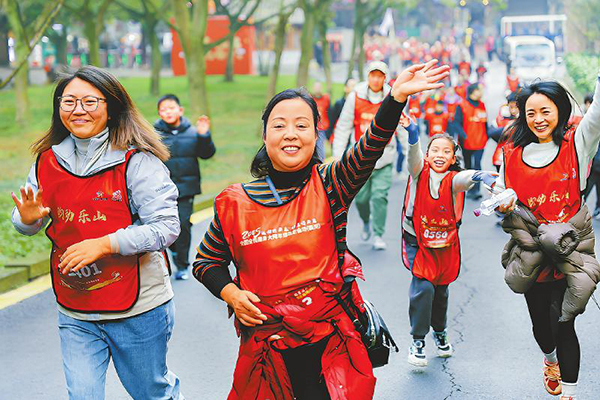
(488, 206)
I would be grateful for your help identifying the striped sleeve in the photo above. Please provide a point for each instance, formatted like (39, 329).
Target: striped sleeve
(347, 175)
(212, 260)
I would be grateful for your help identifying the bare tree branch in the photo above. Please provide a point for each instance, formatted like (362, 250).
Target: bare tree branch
(33, 42)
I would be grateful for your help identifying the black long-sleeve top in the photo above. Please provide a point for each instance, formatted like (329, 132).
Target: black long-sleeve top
(342, 180)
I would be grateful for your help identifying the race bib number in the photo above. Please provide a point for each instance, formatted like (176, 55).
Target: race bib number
(435, 238)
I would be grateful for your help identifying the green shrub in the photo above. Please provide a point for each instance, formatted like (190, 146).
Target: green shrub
(583, 69)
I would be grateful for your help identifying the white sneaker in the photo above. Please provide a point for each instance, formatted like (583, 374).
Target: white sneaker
(416, 353)
(378, 243)
(444, 348)
(366, 232)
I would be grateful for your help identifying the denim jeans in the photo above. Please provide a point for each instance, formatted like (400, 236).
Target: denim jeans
(137, 345)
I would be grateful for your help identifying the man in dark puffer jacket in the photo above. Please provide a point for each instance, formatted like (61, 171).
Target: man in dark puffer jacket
(186, 143)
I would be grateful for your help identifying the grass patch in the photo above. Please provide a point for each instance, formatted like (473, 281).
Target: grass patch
(235, 113)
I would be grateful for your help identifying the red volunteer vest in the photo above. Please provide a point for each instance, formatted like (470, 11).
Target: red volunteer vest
(277, 249)
(513, 83)
(437, 123)
(552, 192)
(429, 106)
(474, 125)
(323, 107)
(452, 108)
(415, 106)
(436, 224)
(89, 207)
(364, 112)
(499, 152)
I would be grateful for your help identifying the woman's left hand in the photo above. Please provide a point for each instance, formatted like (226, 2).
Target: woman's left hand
(84, 253)
(418, 78)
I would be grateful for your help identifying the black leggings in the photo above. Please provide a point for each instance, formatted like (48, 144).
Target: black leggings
(544, 301)
(304, 368)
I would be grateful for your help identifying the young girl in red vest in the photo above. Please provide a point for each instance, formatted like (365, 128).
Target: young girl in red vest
(112, 208)
(431, 216)
(285, 234)
(547, 168)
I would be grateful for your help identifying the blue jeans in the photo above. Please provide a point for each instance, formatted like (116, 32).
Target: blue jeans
(137, 345)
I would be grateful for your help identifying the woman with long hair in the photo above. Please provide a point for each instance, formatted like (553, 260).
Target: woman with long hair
(100, 182)
(546, 164)
(286, 235)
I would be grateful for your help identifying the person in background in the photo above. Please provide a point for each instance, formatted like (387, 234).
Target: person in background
(186, 143)
(470, 122)
(358, 112)
(512, 81)
(336, 110)
(507, 114)
(323, 103)
(437, 121)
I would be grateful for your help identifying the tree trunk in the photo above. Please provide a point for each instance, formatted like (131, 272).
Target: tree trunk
(352, 60)
(229, 67)
(306, 46)
(361, 56)
(90, 32)
(191, 33)
(326, 55)
(280, 33)
(21, 52)
(156, 58)
(61, 47)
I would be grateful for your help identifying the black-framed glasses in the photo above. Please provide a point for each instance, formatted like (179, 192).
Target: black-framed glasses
(88, 103)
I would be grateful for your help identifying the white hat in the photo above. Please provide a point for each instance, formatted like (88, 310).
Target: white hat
(378, 66)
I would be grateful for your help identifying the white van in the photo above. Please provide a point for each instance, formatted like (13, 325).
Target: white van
(532, 57)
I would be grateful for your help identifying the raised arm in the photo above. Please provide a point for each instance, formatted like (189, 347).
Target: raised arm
(587, 135)
(351, 172)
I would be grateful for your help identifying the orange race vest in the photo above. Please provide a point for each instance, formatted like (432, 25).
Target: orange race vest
(437, 123)
(89, 207)
(323, 107)
(436, 223)
(364, 112)
(499, 152)
(552, 193)
(474, 125)
(277, 249)
(452, 108)
(429, 105)
(513, 83)
(414, 104)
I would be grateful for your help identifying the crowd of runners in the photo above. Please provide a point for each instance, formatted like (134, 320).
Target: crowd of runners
(305, 330)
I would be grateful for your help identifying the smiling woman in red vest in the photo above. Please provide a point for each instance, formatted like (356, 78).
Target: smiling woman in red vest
(547, 165)
(112, 208)
(286, 235)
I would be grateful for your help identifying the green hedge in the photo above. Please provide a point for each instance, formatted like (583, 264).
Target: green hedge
(583, 69)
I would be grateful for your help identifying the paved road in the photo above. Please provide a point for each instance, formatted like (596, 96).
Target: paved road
(496, 355)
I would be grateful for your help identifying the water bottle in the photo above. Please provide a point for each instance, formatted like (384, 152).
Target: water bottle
(488, 206)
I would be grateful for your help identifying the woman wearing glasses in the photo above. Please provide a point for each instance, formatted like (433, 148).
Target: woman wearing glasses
(99, 181)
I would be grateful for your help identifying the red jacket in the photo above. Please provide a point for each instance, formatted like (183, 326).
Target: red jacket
(260, 372)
